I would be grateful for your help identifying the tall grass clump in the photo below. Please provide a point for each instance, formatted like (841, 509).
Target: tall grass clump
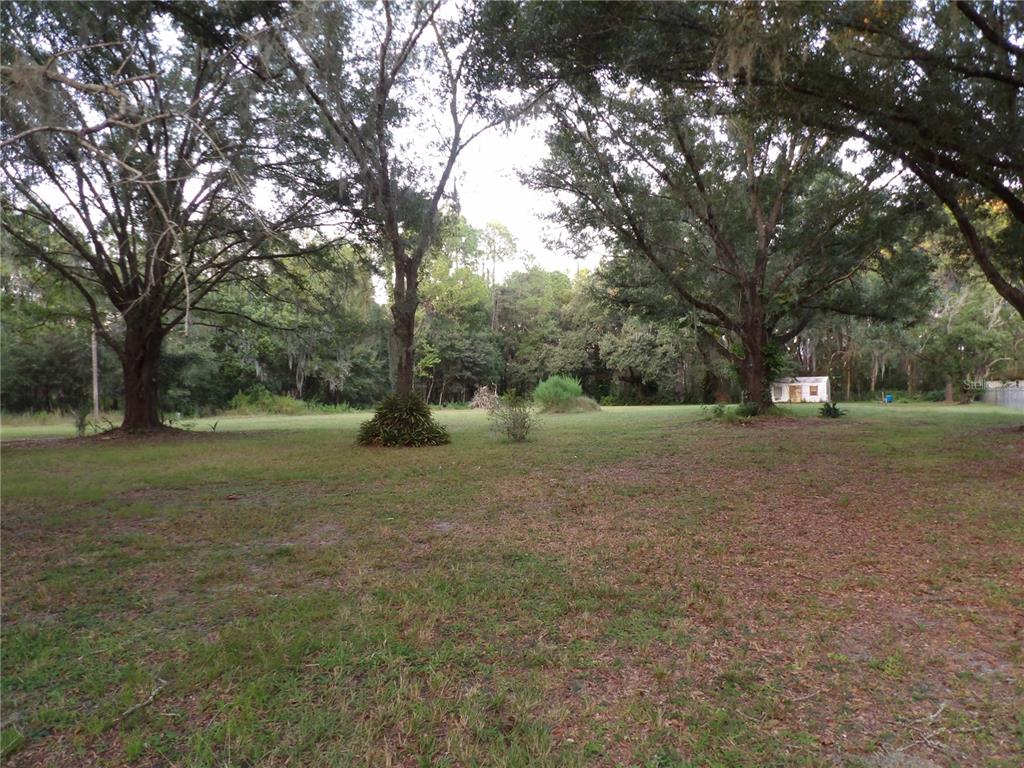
(259, 401)
(402, 420)
(562, 394)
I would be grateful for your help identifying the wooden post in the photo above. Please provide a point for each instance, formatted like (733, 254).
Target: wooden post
(95, 378)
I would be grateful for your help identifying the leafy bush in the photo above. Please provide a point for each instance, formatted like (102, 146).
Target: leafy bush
(831, 411)
(402, 420)
(611, 400)
(557, 392)
(513, 415)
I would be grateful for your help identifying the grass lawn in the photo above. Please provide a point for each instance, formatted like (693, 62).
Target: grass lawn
(635, 587)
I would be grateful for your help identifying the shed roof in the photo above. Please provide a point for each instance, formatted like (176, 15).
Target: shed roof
(802, 380)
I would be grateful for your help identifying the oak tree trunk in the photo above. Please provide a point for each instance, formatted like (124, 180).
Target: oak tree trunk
(140, 360)
(849, 374)
(756, 384)
(403, 343)
(754, 370)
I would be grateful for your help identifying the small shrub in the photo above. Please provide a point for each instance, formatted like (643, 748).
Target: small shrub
(513, 416)
(485, 397)
(556, 393)
(82, 423)
(716, 411)
(746, 410)
(402, 420)
(831, 411)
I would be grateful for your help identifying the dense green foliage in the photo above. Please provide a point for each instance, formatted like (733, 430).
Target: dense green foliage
(933, 86)
(259, 400)
(402, 420)
(557, 392)
(334, 352)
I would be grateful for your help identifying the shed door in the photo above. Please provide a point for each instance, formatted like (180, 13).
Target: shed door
(794, 393)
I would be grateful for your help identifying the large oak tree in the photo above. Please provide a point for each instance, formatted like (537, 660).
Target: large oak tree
(751, 228)
(937, 87)
(133, 133)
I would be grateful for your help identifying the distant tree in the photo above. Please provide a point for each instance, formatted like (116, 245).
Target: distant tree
(497, 246)
(45, 342)
(749, 228)
(652, 360)
(531, 308)
(972, 336)
(310, 329)
(141, 156)
(373, 75)
(456, 349)
(968, 334)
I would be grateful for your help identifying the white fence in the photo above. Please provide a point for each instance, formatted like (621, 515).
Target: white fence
(1010, 394)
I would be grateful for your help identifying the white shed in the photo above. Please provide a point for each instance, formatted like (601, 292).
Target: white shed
(1008, 393)
(801, 389)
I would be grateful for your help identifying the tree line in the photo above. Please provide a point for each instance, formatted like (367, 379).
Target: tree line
(316, 337)
(774, 187)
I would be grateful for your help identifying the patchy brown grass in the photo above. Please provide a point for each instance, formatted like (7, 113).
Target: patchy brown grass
(789, 592)
(858, 591)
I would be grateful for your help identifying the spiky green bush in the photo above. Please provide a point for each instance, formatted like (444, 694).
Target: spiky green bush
(831, 411)
(402, 420)
(562, 394)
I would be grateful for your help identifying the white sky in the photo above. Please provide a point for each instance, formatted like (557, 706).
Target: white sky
(490, 190)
